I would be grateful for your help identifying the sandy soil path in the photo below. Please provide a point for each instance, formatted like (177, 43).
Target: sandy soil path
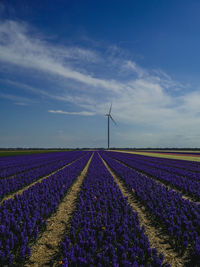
(45, 249)
(155, 236)
(19, 192)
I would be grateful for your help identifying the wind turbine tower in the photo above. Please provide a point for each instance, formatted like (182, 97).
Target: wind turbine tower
(109, 117)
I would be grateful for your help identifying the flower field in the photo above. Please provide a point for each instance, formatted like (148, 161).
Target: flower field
(33, 173)
(104, 228)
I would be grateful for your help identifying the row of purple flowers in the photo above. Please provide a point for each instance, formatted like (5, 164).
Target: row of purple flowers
(17, 182)
(179, 218)
(105, 231)
(192, 167)
(23, 217)
(18, 164)
(184, 183)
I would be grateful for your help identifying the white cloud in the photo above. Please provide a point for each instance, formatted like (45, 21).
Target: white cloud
(17, 99)
(21, 104)
(81, 113)
(191, 103)
(17, 47)
(132, 66)
(91, 79)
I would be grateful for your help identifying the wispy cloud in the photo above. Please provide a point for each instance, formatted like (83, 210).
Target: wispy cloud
(21, 104)
(132, 66)
(18, 47)
(81, 113)
(17, 99)
(91, 79)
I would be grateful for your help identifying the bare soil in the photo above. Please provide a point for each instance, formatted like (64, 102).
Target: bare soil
(164, 155)
(19, 192)
(47, 246)
(156, 237)
(162, 183)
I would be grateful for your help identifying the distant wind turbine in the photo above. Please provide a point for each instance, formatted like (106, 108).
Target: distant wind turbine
(109, 117)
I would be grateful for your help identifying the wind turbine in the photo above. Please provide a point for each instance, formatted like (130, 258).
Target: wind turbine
(109, 117)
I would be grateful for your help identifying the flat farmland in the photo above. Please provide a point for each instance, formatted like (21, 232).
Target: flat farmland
(183, 155)
(4, 153)
(99, 208)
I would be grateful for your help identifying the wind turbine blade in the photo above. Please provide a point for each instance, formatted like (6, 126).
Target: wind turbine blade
(113, 120)
(110, 109)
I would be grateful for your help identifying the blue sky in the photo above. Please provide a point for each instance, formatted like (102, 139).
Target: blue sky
(63, 62)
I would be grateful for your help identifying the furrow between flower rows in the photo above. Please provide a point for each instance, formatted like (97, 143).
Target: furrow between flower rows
(23, 217)
(179, 218)
(44, 250)
(182, 169)
(186, 185)
(11, 172)
(105, 231)
(155, 234)
(180, 164)
(16, 164)
(163, 183)
(13, 184)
